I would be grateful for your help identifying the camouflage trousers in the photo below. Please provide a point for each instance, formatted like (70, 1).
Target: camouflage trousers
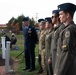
(43, 58)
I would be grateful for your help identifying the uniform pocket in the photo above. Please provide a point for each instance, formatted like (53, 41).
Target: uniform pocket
(64, 46)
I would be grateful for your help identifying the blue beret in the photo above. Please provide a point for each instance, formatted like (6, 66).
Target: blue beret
(41, 20)
(55, 11)
(48, 19)
(26, 19)
(67, 7)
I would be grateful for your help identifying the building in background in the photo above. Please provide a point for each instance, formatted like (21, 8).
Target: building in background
(3, 27)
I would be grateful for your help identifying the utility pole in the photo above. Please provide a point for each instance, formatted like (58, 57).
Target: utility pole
(36, 17)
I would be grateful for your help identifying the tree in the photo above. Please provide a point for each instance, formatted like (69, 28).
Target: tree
(15, 24)
(20, 18)
(17, 30)
(10, 23)
(32, 22)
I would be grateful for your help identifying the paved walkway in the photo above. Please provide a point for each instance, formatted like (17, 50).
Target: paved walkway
(2, 65)
(2, 71)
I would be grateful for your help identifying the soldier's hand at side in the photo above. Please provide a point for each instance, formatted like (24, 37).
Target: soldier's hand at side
(39, 58)
(49, 61)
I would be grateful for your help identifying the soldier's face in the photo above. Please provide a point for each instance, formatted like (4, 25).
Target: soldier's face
(26, 23)
(53, 18)
(41, 26)
(62, 16)
(47, 25)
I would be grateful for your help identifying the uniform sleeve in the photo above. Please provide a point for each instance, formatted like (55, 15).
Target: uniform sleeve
(35, 37)
(65, 57)
(50, 45)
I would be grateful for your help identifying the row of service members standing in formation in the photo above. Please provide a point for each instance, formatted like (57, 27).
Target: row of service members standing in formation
(48, 41)
(57, 42)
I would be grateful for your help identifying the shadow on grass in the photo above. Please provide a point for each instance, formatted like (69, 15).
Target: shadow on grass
(22, 65)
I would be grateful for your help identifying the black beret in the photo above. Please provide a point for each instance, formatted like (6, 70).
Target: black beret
(67, 7)
(41, 20)
(55, 11)
(48, 19)
(26, 19)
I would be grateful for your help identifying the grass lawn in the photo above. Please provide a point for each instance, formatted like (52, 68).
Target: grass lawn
(20, 64)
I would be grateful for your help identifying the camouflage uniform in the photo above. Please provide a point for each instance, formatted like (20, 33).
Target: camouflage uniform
(42, 46)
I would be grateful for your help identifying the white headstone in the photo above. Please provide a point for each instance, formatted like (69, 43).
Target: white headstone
(7, 58)
(3, 47)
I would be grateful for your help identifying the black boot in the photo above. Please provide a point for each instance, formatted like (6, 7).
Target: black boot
(40, 71)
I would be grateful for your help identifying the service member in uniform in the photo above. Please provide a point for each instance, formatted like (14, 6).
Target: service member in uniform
(49, 29)
(41, 46)
(66, 49)
(30, 40)
(57, 28)
(39, 55)
(39, 20)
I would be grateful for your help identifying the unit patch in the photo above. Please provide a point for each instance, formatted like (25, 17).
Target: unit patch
(67, 34)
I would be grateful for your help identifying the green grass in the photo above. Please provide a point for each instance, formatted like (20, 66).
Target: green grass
(22, 64)
(15, 53)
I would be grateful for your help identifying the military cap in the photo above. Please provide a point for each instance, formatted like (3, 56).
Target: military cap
(48, 19)
(55, 11)
(67, 7)
(26, 19)
(42, 23)
(41, 20)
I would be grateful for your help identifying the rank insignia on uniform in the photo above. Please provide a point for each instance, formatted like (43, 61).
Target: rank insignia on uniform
(64, 46)
(67, 34)
(29, 31)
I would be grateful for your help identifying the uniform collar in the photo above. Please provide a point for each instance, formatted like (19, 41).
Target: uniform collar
(27, 26)
(56, 27)
(71, 23)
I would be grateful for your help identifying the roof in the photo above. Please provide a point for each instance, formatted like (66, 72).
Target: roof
(3, 25)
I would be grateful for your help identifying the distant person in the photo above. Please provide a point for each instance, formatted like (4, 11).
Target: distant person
(30, 40)
(13, 39)
(6, 38)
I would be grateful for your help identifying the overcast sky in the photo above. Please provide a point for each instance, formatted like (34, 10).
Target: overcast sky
(31, 8)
